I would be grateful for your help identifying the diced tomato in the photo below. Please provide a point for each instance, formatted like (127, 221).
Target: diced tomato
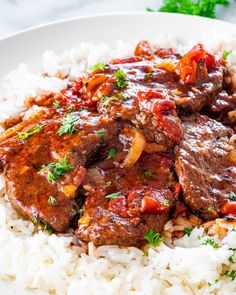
(143, 49)
(195, 64)
(228, 208)
(159, 93)
(152, 206)
(163, 106)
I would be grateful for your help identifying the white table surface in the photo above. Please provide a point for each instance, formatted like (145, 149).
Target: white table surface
(19, 14)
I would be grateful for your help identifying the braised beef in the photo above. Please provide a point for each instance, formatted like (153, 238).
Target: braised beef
(206, 174)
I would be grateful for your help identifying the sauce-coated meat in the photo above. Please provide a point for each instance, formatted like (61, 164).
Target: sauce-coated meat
(32, 177)
(203, 165)
(123, 204)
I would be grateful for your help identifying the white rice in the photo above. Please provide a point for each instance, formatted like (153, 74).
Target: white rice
(35, 260)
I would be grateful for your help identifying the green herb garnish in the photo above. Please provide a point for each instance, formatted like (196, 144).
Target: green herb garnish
(121, 79)
(165, 202)
(68, 124)
(226, 54)
(153, 238)
(30, 132)
(211, 242)
(101, 133)
(209, 208)
(112, 153)
(56, 105)
(230, 274)
(188, 231)
(52, 201)
(56, 169)
(193, 7)
(148, 174)
(232, 196)
(105, 99)
(99, 66)
(113, 196)
(40, 223)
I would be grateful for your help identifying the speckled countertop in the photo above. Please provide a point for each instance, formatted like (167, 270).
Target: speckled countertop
(19, 14)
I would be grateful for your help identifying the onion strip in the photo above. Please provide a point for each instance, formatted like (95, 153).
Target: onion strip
(136, 149)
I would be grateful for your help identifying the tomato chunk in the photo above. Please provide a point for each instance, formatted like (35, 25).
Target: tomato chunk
(228, 208)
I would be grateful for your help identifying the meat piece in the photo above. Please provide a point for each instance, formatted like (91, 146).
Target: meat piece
(44, 170)
(146, 89)
(123, 204)
(205, 172)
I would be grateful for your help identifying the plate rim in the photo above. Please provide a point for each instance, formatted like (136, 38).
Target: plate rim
(115, 14)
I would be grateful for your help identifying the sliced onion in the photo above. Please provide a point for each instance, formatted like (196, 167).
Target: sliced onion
(136, 149)
(232, 157)
(95, 81)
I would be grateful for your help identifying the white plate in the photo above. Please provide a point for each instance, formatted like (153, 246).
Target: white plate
(28, 46)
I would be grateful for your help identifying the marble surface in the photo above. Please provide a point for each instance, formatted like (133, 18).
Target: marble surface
(19, 14)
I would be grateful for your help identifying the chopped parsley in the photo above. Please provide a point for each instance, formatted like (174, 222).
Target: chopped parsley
(56, 105)
(108, 183)
(166, 202)
(40, 223)
(113, 196)
(30, 132)
(230, 259)
(211, 242)
(56, 169)
(231, 274)
(52, 201)
(226, 54)
(209, 208)
(105, 99)
(121, 79)
(99, 66)
(68, 124)
(193, 7)
(215, 282)
(101, 133)
(188, 231)
(148, 174)
(148, 76)
(232, 196)
(112, 153)
(153, 238)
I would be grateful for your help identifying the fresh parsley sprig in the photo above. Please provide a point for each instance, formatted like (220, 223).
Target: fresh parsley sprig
(30, 132)
(153, 238)
(55, 170)
(205, 8)
(121, 79)
(68, 124)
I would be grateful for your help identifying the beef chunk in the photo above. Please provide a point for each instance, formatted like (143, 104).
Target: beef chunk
(35, 190)
(123, 204)
(202, 164)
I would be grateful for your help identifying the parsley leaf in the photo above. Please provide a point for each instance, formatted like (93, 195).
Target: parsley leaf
(30, 132)
(113, 196)
(56, 169)
(232, 196)
(52, 201)
(99, 66)
(226, 54)
(188, 231)
(148, 174)
(194, 7)
(211, 242)
(121, 79)
(153, 238)
(112, 153)
(68, 124)
(165, 202)
(105, 100)
(101, 133)
(230, 274)
(56, 105)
